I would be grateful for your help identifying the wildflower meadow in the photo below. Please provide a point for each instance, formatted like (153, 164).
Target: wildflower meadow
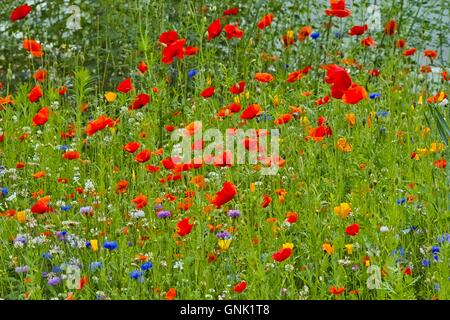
(224, 150)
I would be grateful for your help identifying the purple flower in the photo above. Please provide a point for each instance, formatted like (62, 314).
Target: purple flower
(163, 214)
(22, 269)
(54, 281)
(223, 235)
(86, 210)
(234, 214)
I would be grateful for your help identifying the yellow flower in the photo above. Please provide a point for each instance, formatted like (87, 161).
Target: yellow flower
(236, 99)
(441, 96)
(247, 94)
(351, 119)
(224, 244)
(208, 81)
(349, 248)
(252, 187)
(94, 245)
(288, 245)
(420, 101)
(21, 216)
(328, 248)
(343, 210)
(422, 151)
(110, 96)
(437, 147)
(343, 145)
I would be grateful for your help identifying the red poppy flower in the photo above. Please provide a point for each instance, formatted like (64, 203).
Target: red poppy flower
(143, 156)
(35, 94)
(337, 9)
(251, 111)
(168, 163)
(282, 254)
(440, 163)
(143, 67)
(339, 78)
(214, 29)
(41, 117)
(240, 287)
(238, 87)
(263, 77)
(41, 206)
(352, 230)
(171, 294)
(291, 217)
(131, 147)
(172, 50)
(323, 100)
(141, 101)
(99, 124)
(368, 42)
(337, 291)
(390, 28)
(430, 54)
(40, 75)
(62, 91)
(265, 21)
(190, 51)
(234, 107)
(231, 12)
(358, 30)
(227, 193)
(33, 47)
(409, 52)
(71, 155)
(400, 43)
(125, 86)
(151, 168)
(266, 201)
(121, 186)
(208, 92)
(184, 227)
(354, 94)
(294, 76)
(168, 37)
(140, 201)
(233, 31)
(284, 118)
(20, 12)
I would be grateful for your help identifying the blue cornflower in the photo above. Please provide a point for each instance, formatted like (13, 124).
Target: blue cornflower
(56, 269)
(426, 263)
(192, 73)
(436, 257)
(375, 95)
(47, 255)
(435, 249)
(146, 266)
(95, 265)
(136, 274)
(315, 35)
(66, 207)
(437, 287)
(110, 245)
(382, 113)
(61, 235)
(4, 191)
(401, 201)
(64, 147)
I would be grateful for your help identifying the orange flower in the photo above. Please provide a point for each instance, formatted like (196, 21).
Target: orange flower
(304, 33)
(337, 291)
(171, 294)
(390, 28)
(354, 94)
(343, 145)
(140, 201)
(263, 77)
(430, 54)
(368, 42)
